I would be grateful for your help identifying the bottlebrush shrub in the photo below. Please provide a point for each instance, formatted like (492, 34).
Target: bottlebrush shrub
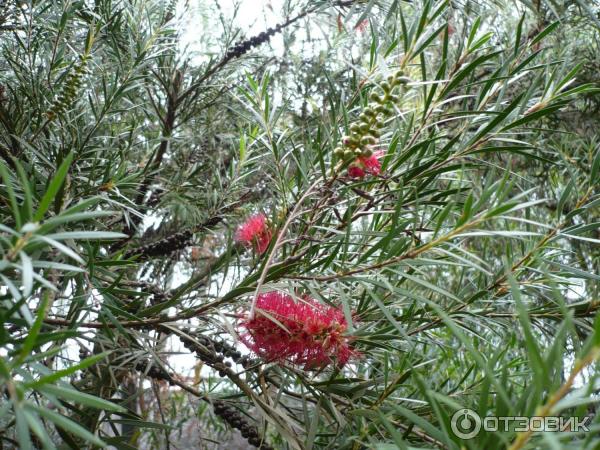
(303, 332)
(255, 232)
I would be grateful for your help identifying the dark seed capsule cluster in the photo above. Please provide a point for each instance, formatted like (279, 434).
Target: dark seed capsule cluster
(154, 198)
(70, 88)
(154, 371)
(233, 417)
(164, 246)
(158, 297)
(229, 351)
(156, 294)
(83, 353)
(366, 130)
(243, 47)
(214, 352)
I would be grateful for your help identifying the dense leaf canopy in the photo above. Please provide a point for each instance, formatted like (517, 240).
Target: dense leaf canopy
(345, 230)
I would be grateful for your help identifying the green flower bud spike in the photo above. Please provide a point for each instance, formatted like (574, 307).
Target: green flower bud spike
(73, 82)
(364, 130)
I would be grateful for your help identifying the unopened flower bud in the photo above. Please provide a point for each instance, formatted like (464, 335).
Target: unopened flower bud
(339, 152)
(375, 97)
(366, 140)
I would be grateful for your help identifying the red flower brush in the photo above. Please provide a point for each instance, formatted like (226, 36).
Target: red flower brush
(302, 332)
(255, 232)
(366, 164)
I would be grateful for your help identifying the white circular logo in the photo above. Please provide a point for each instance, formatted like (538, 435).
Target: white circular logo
(465, 423)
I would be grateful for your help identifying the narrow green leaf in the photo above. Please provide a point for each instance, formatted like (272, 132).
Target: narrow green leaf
(595, 172)
(30, 340)
(53, 188)
(8, 183)
(67, 424)
(542, 34)
(22, 429)
(84, 364)
(80, 397)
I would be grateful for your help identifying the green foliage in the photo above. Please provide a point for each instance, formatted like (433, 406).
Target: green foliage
(467, 269)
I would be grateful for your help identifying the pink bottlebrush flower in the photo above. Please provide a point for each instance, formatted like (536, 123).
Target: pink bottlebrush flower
(366, 164)
(302, 332)
(362, 25)
(373, 163)
(451, 29)
(255, 232)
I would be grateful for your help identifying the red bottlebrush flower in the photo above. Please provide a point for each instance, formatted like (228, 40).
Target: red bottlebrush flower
(366, 164)
(356, 172)
(255, 232)
(302, 332)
